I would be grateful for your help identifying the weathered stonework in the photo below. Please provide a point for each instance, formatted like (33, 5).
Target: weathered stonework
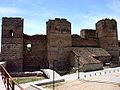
(28, 53)
(12, 43)
(88, 33)
(59, 41)
(35, 57)
(107, 33)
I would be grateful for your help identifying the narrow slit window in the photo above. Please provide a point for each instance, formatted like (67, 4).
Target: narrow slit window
(29, 47)
(11, 33)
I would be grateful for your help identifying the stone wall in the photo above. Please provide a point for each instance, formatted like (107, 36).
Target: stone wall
(108, 39)
(88, 33)
(24, 52)
(35, 57)
(85, 42)
(92, 67)
(59, 40)
(12, 43)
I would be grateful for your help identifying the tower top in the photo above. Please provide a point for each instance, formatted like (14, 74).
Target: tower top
(12, 18)
(61, 20)
(106, 20)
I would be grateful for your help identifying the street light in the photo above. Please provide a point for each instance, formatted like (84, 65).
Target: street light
(78, 66)
(54, 74)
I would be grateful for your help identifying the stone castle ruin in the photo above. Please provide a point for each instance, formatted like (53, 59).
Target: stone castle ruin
(91, 50)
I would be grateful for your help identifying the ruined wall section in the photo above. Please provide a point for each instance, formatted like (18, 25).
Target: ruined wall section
(35, 52)
(88, 33)
(12, 43)
(85, 42)
(59, 41)
(108, 38)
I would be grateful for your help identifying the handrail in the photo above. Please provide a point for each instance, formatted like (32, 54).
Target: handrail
(6, 77)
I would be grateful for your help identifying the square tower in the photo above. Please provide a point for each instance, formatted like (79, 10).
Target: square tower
(12, 43)
(106, 30)
(59, 42)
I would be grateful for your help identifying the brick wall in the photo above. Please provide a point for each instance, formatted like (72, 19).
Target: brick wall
(107, 33)
(59, 40)
(12, 43)
(36, 56)
(88, 33)
(85, 42)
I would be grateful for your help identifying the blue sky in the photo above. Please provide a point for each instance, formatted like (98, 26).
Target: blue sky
(81, 13)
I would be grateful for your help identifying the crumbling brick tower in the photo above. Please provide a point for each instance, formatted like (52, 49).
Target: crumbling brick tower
(59, 42)
(12, 43)
(107, 33)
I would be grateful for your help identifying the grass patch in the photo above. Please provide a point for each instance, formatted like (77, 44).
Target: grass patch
(21, 80)
(51, 85)
(72, 71)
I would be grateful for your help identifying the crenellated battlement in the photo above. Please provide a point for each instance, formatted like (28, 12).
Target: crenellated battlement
(58, 26)
(110, 23)
(106, 20)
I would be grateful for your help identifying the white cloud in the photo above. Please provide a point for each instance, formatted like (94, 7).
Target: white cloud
(33, 26)
(9, 10)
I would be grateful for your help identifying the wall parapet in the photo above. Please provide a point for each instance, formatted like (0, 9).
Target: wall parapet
(85, 42)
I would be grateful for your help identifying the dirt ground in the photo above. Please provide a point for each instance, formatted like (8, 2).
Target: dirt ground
(105, 82)
(85, 85)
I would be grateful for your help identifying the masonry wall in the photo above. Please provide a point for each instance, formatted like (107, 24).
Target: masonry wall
(91, 67)
(59, 42)
(88, 33)
(35, 57)
(55, 46)
(12, 43)
(85, 42)
(108, 38)
(72, 59)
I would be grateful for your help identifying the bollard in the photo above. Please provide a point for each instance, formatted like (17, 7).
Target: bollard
(95, 74)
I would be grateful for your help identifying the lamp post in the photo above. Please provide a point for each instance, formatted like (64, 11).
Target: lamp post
(78, 66)
(54, 74)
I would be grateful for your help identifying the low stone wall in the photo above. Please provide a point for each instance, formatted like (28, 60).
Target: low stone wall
(25, 74)
(92, 67)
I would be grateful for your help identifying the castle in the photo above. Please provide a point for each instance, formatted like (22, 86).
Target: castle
(91, 50)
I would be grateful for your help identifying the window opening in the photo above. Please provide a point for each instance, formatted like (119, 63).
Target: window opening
(11, 33)
(29, 47)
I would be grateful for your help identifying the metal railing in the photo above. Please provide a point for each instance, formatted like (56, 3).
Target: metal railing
(9, 82)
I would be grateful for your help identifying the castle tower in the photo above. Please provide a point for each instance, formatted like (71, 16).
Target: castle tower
(59, 42)
(107, 33)
(12, 43)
